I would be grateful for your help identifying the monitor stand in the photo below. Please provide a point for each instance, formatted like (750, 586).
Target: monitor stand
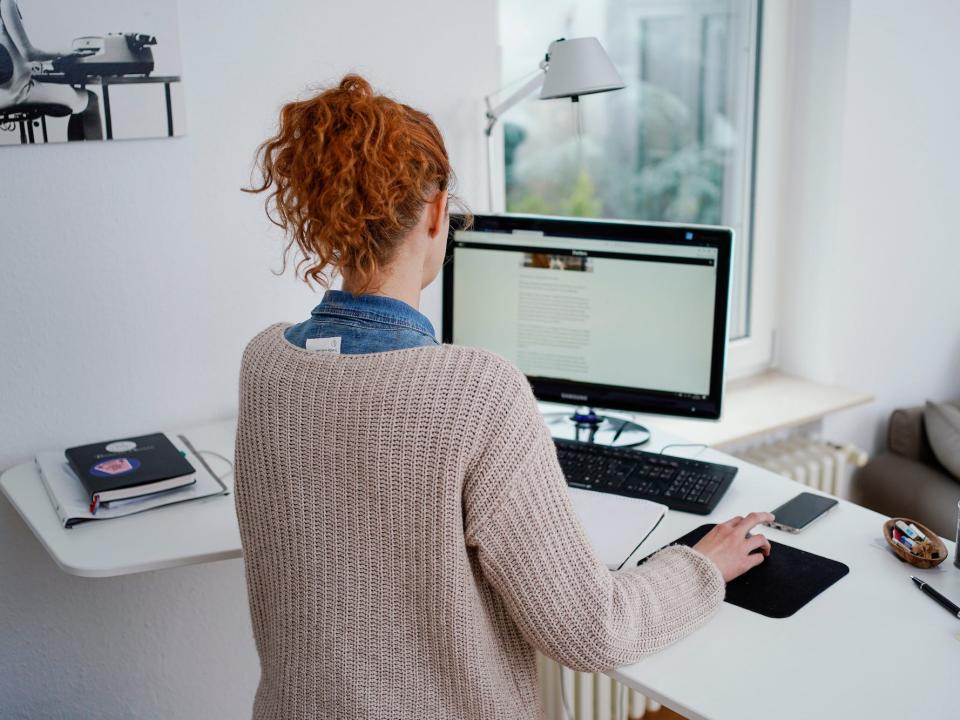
(587, 426)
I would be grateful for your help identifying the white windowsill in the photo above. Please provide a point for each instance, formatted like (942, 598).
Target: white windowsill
(759, 405)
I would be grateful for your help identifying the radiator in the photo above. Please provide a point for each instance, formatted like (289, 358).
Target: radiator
(808, 460)
(569, 695)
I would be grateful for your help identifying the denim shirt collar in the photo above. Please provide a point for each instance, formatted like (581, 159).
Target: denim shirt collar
(386, 310)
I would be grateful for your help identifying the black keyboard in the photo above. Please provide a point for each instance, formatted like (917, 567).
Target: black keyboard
(679, 483)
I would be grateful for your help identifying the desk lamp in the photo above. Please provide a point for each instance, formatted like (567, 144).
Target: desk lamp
(571, 68)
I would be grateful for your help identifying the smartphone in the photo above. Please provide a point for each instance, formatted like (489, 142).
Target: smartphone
(794, 515)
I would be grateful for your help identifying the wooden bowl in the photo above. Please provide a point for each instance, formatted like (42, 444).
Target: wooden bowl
(924, 559)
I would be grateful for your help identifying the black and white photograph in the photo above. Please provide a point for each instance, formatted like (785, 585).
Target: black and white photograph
(89, 70)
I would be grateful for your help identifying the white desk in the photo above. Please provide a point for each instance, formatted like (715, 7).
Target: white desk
(870, 646)
(848, 652)
(195, 532)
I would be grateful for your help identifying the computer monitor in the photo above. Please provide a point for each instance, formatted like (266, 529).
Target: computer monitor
(621, 315)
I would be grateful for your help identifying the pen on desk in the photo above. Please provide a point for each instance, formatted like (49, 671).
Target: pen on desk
(937, 597)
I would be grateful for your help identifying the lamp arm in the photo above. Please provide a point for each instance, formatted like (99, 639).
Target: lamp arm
(525, 91)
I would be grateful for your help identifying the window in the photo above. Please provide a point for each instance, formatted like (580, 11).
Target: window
(675, 145)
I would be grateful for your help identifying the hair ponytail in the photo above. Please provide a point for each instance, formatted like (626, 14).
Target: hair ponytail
(347, 175)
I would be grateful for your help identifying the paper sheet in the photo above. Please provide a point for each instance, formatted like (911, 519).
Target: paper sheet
(615, 524)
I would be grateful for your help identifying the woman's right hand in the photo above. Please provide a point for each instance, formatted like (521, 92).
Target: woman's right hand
(732, 548)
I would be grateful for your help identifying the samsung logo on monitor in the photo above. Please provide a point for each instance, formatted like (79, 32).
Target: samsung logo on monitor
(572, 396)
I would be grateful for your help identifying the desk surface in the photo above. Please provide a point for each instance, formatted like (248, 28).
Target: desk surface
(870, 646)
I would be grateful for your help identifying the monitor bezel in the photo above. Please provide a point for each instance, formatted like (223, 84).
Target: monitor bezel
(638, 400)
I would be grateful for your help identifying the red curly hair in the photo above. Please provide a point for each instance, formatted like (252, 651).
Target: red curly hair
(348, 174)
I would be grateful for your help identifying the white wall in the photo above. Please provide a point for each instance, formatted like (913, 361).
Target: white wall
(131, 276)
(870, 282)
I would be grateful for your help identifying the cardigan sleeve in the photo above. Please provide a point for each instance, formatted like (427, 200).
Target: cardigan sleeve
(534, 552)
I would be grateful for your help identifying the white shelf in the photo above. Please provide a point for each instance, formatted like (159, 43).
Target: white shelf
(195, 532)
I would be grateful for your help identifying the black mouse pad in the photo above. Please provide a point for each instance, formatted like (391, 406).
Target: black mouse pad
(781, 584)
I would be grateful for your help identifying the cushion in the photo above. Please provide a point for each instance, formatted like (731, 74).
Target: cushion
(943, 431)
(894, 486)
(906, 435)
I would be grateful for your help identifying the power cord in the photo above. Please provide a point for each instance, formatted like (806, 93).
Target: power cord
(217, 455)
(620, 429)
(702, 446)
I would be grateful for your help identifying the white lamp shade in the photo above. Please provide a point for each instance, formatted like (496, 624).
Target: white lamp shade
(579, 66)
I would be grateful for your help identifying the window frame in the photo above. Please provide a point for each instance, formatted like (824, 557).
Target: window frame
(756, 352)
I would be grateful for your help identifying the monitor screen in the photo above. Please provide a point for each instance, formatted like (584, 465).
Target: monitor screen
(607, 314)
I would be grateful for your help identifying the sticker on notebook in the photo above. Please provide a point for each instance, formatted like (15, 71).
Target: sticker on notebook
(121, 446)
(327, 344)
(114, 467)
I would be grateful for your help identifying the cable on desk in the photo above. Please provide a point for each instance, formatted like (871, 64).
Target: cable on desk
(220, 457)
(623, 424)
(702, 446)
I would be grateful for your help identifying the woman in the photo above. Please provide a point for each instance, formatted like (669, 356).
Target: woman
(408, 537)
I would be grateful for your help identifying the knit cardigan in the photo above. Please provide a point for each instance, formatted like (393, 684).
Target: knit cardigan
(409, 541)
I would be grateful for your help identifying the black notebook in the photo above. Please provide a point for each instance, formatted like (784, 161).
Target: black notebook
(129, 468)
(781, 584)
